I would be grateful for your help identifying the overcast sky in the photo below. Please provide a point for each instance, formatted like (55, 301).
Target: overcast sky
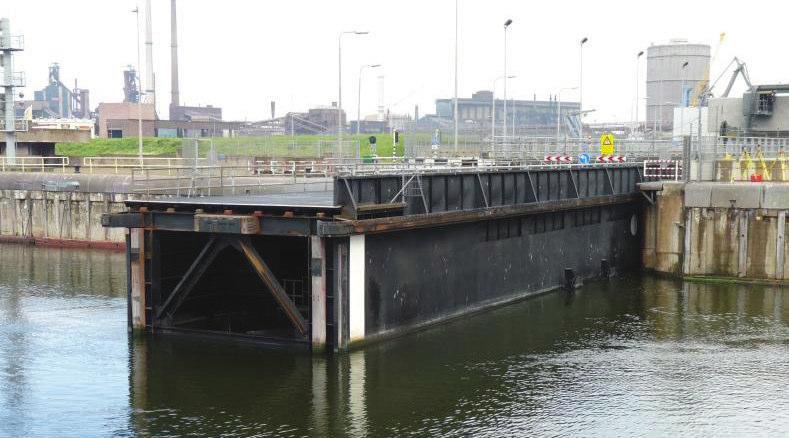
(240, 55)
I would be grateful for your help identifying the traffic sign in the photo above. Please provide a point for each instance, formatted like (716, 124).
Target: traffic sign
(611, 159)
(558, 159)
(607, 144)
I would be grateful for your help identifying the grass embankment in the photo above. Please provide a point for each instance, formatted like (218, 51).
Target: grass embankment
(98, 147)
(285, 146)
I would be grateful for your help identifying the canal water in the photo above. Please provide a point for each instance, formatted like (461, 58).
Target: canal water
(632, 356)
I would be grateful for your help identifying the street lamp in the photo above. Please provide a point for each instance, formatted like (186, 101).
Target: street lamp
(339, 81)
(638, 56)
(455, 103)
(493, 107)
(506, 26)
(136, 11)
(359, 96)
(559, 111)
(581, 75)
(682, 101)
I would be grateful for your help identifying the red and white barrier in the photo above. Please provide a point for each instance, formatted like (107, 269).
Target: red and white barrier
(558, 159)
(611, 159)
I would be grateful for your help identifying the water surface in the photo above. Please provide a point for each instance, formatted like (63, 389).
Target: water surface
(632, 356)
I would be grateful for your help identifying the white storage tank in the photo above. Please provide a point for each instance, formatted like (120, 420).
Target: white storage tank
(665, 79)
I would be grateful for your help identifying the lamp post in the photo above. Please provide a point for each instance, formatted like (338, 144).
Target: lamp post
(136, 12)
(559, 111)
(359, 96)
(506, 26)
(638, 57)
(682, 102)
(493, 106)
(581, 76)
(339, 81)
(455, 103)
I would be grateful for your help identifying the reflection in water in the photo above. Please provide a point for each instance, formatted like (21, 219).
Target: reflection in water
(631, 356)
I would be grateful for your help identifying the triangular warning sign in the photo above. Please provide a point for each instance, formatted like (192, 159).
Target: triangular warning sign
(606, 141)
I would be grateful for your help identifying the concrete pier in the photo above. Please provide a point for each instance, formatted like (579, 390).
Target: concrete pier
(713, 229)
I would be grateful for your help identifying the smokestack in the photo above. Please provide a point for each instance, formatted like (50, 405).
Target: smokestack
(381, 98)
(273, 106)
(150, 86)
(175, 97)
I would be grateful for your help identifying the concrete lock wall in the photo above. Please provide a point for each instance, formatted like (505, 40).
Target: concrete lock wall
(664, 231)
(718, 230)
(60, 218)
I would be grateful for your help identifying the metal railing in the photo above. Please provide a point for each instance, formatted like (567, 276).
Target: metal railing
(221, 180)
(122, 164)
(662, 170)
(19, 125)
(33, 164)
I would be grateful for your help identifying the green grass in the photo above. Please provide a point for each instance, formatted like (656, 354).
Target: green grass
(99, 147)
(285, 146)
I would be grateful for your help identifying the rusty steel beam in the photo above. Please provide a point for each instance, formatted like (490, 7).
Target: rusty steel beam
(383, 225)
(262, 270)
(184, 287)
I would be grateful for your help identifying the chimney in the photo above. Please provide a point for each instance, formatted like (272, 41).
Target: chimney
(381, 103)
(175, 98)
(150, 87)
(273, 106)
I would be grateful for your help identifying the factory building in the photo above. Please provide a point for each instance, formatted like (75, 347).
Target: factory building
(121, 120)
(762, 111)
(669, 84)
(523, 113)
(56, 100)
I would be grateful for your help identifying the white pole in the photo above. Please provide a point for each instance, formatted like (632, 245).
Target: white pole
(339, 91)
(139, 90)
(455, 112)
(682, 102)
(359, 101)
(581, 76)
(150, 81)
(638, 56)
(504, 128)
(559, 112)
(558, 115)
(339, 82)
(359, 96)
(493, 114)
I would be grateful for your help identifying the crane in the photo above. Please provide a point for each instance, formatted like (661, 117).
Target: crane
(741, 69)
(701, 88)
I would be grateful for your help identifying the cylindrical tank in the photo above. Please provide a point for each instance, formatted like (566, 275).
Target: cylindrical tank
(668, 84)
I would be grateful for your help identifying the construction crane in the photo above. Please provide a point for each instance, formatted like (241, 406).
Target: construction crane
(701, 89)
(740, 70)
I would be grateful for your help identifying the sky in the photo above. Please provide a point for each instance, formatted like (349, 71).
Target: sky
(242, 54)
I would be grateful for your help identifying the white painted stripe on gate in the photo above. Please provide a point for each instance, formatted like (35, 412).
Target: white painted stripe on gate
(356, 261)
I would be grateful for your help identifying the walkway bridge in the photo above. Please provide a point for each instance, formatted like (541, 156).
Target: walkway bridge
(385, 250)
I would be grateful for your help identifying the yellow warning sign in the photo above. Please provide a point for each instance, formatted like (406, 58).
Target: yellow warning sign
(607, 144)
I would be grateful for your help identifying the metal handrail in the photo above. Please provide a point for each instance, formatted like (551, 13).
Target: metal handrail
(32, 164)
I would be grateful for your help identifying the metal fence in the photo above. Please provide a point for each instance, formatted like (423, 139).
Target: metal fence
(34, 164)
(281, 147)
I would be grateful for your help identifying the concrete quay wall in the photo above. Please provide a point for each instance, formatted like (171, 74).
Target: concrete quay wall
(61, 210)
(718, 230)
(60, 218)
